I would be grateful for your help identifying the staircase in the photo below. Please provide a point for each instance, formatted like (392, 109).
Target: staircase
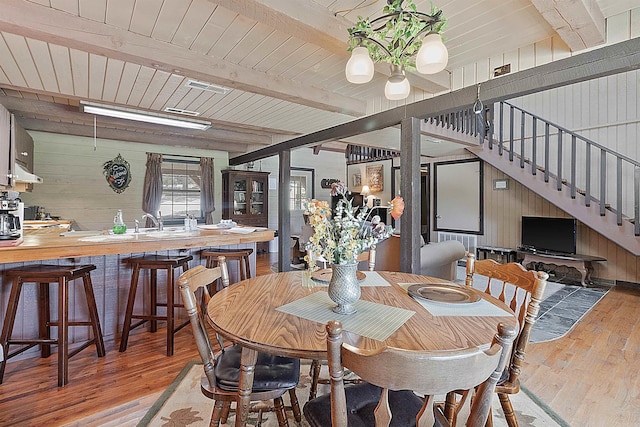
(599, 187)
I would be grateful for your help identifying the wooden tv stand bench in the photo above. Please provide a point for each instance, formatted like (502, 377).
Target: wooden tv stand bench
(582, 263)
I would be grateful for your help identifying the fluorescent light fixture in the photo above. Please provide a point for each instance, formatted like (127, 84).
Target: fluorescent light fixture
(142, 116)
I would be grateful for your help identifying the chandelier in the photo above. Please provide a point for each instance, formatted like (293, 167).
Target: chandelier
(404, 38)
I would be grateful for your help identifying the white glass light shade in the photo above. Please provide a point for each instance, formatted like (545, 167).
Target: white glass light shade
(397, 87)
(360, 66)
(432, 56)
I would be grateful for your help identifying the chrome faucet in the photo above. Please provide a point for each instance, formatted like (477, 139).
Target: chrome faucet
(157, 222)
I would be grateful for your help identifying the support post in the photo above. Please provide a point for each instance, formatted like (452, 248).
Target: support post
(410, 191)
(284, 212)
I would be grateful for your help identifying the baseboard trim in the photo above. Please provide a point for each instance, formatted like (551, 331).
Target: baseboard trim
(628, 284)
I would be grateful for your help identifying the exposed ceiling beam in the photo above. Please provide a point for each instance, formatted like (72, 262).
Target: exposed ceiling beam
(314, 24)
(127, 135)
(31, 108)
(47, 24)
(609, 60)
(579, 23)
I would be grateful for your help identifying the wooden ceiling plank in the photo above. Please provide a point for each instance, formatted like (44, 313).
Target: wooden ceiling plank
(169, 19)
(9, 67)
(197, 15)
(24, 60)
(127, 80)
(69, 6)
(580, 23)
(61, 59)
(80, 72)
(154, 88)
(41, 23)
(97, 73)
(119, 13)
(96, 10)
(140, 86)
(264, 49)
(248, 43)
(112, 79)
(234, 34)
(280, 54)
(212, 30)
(145, 16)
(196, 103)
(42, 58)
(168, 90)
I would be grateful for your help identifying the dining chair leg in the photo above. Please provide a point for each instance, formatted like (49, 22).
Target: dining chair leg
(280, 412)
(509, 414)
(314, 373)
(226, 408)
(295, 405)
(44, 318)
(216, 414)
(450, 407)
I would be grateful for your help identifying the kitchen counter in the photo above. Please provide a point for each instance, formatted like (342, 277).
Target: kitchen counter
(112, 278)
(38, 247)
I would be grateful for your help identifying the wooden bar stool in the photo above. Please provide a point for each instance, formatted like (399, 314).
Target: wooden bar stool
(44, 275)
(240, 255)
(153, 263)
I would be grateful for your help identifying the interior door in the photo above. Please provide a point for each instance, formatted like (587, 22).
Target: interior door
(458, 200)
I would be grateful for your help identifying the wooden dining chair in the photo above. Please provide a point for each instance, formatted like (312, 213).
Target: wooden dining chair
(273, 375)
(522, 291)
(395, 377)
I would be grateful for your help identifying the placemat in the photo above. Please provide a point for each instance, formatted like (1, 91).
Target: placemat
(372, 320)
(479, 308)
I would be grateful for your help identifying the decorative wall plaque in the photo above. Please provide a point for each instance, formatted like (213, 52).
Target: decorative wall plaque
(117, 173)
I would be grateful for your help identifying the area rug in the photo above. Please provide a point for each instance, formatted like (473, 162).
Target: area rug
(182, 404)
(561, 312)
(561, 308)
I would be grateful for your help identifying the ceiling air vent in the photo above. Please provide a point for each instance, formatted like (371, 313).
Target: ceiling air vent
(181, 111)
(208, 87)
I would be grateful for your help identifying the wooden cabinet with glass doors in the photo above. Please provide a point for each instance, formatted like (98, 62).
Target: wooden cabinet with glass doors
(245, 197)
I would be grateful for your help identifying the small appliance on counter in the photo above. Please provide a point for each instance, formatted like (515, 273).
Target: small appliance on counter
(11, 218)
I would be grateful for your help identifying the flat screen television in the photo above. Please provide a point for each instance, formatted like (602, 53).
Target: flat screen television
(546, 234)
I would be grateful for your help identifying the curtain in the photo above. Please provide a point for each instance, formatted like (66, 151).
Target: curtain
(152, 191)
(206, 188)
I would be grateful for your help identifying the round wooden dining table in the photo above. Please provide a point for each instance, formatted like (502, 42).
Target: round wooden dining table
(247, 313)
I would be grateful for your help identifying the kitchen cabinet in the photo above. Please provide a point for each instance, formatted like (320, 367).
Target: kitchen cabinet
(245, 198)
(23, 147)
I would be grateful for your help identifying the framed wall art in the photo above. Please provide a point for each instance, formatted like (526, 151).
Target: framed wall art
(357, 180)
(375, 178)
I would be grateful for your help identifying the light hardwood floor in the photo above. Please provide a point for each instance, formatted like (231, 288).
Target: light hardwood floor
(590, 377)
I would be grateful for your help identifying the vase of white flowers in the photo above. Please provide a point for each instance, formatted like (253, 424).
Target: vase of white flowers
(340, 236)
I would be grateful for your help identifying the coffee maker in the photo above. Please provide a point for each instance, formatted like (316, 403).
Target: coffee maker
(11, 217)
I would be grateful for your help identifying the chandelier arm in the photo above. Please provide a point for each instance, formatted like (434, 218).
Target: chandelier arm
(413, 39)
(360, 36)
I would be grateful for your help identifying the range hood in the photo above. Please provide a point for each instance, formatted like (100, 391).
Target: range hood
(22, 175)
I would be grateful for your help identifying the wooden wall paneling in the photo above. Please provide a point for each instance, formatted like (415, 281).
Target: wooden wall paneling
(544, 51)
(527, 57)
(635, 23)
(618, 28)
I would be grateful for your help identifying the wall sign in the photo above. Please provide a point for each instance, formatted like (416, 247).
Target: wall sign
(117, 173)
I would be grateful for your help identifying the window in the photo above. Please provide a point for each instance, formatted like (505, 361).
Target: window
(180, 189)
(297, 192)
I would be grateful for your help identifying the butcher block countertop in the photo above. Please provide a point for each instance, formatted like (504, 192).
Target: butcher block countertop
(78, 244)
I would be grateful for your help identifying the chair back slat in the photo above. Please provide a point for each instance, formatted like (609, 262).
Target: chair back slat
(521, 290)
(425, 372)
(189, 283)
